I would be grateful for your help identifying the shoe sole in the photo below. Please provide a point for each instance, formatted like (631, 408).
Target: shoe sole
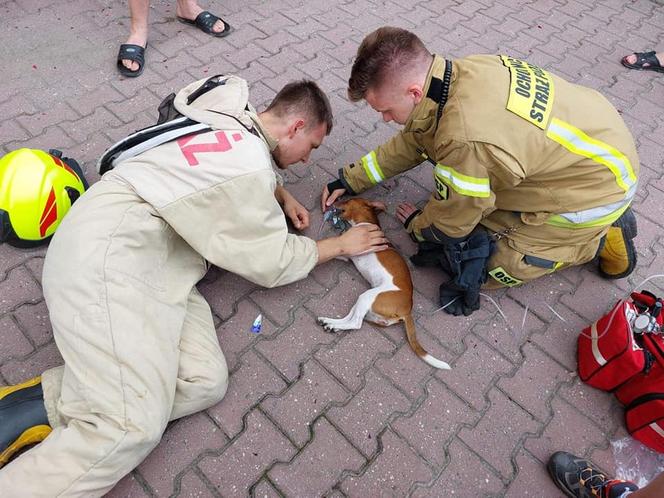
(627, 223)
(6, 391)
(33, 435)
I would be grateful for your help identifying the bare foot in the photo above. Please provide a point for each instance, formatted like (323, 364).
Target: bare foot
(188, 9)
(631, 59)
(135, 39)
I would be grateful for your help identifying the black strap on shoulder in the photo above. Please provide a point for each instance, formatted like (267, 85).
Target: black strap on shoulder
(439, 89)
(210, 83)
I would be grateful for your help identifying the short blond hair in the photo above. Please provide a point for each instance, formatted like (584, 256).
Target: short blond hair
(382, 55)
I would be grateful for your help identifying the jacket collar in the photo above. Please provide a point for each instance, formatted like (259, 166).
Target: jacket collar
(424, 113)
(261, 129)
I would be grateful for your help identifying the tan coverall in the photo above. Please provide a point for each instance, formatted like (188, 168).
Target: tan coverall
(120, 275)
(546, 163)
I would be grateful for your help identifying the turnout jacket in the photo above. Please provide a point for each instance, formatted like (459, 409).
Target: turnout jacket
(216, 189)
(512, 138)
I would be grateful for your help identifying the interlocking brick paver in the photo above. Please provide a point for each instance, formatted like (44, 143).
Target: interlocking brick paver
(310, 413)
(505, 425)
(537, 369)
(406, 370)
(223, 290)
(295, 410)
(33, 319)
(363, 418)
(192, 486)
(280, 308)
(432, 425)
(242, 463)
(505, 333)
(251, 382)
(235, 334)
(128, 487)
(36, 123)
(465, 475)
(568, 429)
(35, 266)
(294, 345)
(265, 490)
(18, 370)
(317, 467)
(450, 330)
(393, 472)
(180, 445)
(599, 406)
(559, 338)
(531, 470)
(16, 345)
(353, 353)
(19, 287)
(480, 364)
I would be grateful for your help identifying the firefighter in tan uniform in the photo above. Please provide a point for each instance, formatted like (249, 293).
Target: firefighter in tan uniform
(137, 338)
(530, 171)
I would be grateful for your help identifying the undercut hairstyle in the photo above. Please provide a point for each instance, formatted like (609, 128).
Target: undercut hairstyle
(382, 56)
(304, 97)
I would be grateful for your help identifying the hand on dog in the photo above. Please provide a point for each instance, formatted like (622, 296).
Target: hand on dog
(362, 239)
(327, 198)
(296, 212)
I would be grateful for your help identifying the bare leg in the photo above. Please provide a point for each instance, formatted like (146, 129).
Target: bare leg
(138, 32)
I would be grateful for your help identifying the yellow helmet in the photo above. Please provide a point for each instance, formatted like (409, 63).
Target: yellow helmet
(36, 191)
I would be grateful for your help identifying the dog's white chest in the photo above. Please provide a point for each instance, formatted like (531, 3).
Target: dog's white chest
(374, 272)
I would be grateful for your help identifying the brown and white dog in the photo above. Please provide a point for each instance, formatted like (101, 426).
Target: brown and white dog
(390, 299)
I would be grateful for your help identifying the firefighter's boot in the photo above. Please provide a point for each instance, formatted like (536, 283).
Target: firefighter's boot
(578, 478)
(617, 258)
(23, 419)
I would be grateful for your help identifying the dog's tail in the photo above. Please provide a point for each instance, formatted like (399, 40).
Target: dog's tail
(417, 347)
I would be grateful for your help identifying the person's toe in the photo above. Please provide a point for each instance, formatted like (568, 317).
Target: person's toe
(631, 59)
(219, 26)
(131, 65)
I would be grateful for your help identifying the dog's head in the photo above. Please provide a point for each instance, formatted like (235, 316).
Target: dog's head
(358, 210)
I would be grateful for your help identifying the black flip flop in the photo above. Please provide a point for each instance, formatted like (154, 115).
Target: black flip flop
(644, 58)
(131, 52)
(205, 21)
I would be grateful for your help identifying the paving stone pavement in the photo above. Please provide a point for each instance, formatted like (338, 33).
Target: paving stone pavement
(310, 413)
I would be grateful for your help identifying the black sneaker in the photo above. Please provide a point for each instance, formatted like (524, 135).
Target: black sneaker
(578, 478)
(23, 420)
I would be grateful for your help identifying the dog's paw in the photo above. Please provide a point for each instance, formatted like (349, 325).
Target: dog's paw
(325, 322)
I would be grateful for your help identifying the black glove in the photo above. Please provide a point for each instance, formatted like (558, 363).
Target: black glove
(464, 301)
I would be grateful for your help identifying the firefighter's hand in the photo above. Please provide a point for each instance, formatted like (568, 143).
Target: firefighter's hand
(296, 212)
(327, 198)
(405, 210)
(362, 239)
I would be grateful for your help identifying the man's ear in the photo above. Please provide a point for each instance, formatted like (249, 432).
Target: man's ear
(378, 205)
(416, 92)
(296, 124)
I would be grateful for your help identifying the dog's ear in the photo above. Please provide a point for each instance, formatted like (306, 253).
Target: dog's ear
(378, 205)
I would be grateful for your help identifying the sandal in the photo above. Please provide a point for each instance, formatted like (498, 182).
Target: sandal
(645, 61)
(205, 21)
(130, 52)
